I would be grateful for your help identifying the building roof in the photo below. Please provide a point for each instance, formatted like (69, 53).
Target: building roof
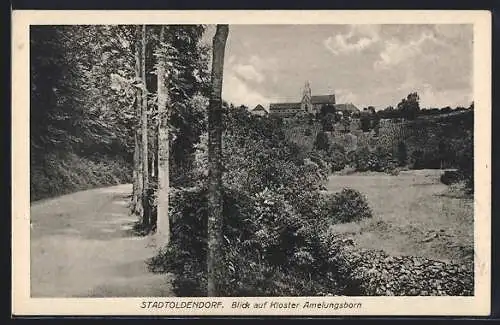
(349, 107)
(323, 99)
(259, 108)
(274, 106)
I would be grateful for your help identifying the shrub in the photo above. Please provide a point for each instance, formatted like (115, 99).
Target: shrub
(378, 160)
(427, 159)
(365, 120)
(322, 141)
(351, 157)
(382, 160)
(394, 171)
(64, 173)
(417, 158)
(257, 156)
(266, 243)
(466, 162)
(347, 206)
(361, 159)
(402, 154)
(451, 177)
(275, 220)
(337, 157)
(328, 122)
(318, 157)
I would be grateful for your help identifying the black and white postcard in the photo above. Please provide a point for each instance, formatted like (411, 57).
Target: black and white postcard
(251, 163)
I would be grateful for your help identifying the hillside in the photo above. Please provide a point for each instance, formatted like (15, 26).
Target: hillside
(427, 134)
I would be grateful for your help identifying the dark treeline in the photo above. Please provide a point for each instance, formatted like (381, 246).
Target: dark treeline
(81, 134)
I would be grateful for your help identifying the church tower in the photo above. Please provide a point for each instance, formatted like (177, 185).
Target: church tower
(306, 103)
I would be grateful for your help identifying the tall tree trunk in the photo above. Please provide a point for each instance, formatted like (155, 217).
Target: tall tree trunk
(138, 182)
(214, 261)
(162, 220)
(144, 125)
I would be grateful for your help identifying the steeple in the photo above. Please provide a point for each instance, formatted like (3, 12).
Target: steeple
(306, 92)
(306, 103)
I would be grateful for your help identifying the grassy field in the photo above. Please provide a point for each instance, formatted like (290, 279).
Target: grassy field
(413, 214)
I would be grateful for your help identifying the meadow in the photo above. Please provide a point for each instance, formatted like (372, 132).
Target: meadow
(413, 214)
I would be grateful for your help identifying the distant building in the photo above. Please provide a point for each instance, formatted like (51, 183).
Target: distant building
(259, 110)
(349, 107)
(309, 105)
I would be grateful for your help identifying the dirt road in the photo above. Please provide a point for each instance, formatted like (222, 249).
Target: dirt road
(82, 246)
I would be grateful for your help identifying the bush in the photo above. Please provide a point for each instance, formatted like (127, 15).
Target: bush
(60, 174)
(322, 142)
(402, 154)
(351, 157)
(451, 177)
(256, 156)
(466, 162)
(347, 206)
(361, 159)
(266, 243)
(425, 160)
(318, 158)
(275, 219)
(379, 160)
(365, 120)
(337, 157)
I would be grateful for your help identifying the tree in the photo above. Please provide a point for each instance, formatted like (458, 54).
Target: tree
(138, 185)
(162, 219)
(446, 109)
(410, 106)
(328, 122)
(402, 154)
(322, 141)
(76, 111)
(146, 222)
(188, 87)
(365, 120)
(327, 109)
(346, 123)
(214, 258)
(375, 120)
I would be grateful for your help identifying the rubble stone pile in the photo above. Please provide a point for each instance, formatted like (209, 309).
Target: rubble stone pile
(374, 273)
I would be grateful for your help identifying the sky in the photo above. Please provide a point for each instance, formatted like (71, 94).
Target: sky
(367, 65)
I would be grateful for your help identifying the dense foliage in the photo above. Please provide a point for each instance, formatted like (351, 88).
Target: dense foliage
(402, 154)
(275, 218)
(83, 96)
(377, 160)
(77, 120)
(347, 206)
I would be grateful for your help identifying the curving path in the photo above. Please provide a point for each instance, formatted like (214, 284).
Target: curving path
(82, 246)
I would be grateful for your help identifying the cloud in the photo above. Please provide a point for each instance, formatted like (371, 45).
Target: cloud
(245, 80)
(248, 72)
(363, 64)
(358, 38)
(345, 96)
(237, 91)
(396, 52)
(430, 97)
